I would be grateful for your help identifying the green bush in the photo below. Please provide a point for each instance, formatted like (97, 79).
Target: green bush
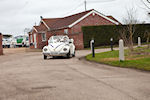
(103, 33)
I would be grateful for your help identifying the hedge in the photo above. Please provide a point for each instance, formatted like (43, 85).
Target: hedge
(103, 33)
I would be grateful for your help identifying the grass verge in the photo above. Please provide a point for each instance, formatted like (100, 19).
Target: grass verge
(140, 59)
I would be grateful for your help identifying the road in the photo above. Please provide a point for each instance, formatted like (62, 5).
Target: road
(26, 76)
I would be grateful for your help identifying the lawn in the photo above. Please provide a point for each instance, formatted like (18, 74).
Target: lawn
(139, 59)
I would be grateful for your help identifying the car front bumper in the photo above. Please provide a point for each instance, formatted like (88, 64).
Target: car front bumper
(55, 54)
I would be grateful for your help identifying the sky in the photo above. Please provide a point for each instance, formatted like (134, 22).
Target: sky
(16, 15)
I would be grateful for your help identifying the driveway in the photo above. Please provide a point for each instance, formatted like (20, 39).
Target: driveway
(26, 76)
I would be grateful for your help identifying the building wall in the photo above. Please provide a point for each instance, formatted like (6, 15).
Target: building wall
(40, 43)
(75, 32)
(1, 48)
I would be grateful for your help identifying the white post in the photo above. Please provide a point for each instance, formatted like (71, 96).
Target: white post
(92, 48)
(121, 50)
(91, 43)
(139, 42)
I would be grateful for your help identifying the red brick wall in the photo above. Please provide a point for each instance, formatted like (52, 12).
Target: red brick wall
(40, 43)
(1, 48)
(90, 21)
(78, 40)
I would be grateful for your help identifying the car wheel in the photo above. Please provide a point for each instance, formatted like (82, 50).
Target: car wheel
(74, 54)
(23, 45)
(53, 57)
(45, 57)
(69, 55)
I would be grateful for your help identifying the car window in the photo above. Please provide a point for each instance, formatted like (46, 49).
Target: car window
(55, 39)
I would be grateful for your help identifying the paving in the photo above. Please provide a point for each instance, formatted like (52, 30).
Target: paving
(26, 76)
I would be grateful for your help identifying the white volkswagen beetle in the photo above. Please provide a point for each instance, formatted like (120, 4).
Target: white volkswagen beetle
(59, 46)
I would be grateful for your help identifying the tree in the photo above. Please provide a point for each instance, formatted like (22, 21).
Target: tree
(146, 3)
(127, 32)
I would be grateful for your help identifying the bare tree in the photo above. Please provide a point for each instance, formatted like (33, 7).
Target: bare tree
(123, 35)
(127, 32)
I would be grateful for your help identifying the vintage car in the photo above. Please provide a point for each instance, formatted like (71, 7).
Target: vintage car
(59, 46)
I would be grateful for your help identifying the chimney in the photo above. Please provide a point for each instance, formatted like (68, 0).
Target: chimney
(41, 17)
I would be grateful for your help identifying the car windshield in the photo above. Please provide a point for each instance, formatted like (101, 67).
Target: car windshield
(55, 39)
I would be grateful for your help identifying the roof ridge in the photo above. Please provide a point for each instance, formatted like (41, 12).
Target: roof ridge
(70, 15)
(79, 13)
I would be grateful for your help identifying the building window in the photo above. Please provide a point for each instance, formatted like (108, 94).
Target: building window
(66, 31)
(31, 40)
(43, 36)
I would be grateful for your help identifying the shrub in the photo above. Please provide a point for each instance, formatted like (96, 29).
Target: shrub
(103, 33)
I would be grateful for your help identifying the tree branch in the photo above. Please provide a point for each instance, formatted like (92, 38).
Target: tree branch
(146, 4)
(148, 1)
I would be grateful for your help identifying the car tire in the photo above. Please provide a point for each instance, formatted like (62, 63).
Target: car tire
(68, 55)
(53, 57)
(45, 57)
(23, 45)
(74, 54)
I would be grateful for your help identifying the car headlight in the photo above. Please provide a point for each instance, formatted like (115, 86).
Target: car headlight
(65, 49)
(45, 49)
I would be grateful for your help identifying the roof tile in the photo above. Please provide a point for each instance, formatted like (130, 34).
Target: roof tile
(55, 23)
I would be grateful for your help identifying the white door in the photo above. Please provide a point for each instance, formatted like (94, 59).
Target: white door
(35, 43)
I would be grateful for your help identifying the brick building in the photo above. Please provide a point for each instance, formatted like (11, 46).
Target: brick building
(1, 48)
(70, 25)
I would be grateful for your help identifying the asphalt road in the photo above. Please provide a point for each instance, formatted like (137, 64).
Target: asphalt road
(26, 76)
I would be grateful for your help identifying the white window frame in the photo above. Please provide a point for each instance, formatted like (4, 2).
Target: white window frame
(31, 39)
(43, 38)
(66, 31)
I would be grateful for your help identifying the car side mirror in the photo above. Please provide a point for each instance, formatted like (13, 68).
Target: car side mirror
(71, 41)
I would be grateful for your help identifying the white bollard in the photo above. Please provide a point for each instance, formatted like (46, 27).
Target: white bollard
(121, 50)
(139, 42)
(91, 43)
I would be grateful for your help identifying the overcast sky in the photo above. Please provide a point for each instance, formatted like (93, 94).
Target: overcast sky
(16, 15)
